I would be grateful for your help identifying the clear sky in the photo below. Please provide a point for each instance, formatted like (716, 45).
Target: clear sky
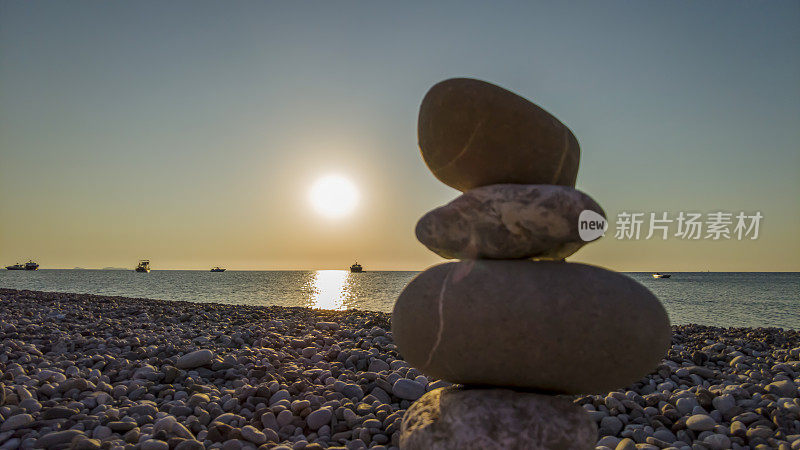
(190, 133)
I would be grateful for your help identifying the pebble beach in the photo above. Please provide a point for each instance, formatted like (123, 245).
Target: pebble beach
(83, 371)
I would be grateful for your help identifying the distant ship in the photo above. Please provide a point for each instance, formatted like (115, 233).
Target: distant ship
(144, 266)
(30, 265)
(661, 275)
(356, 268)
(218, 269)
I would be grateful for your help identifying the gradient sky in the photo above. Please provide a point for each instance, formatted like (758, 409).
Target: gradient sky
(190, 132)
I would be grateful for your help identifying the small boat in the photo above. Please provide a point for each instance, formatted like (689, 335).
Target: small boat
(218, 269)
(16, 266)
(661, 275)
(144, 266)
(30, 265)
(356, 268)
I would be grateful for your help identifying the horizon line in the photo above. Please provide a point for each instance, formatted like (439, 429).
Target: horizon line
(121, 269)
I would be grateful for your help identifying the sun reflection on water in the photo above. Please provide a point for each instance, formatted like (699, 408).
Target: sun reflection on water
(328, 290)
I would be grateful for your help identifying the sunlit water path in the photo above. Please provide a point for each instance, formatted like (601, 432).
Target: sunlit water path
(723, 299)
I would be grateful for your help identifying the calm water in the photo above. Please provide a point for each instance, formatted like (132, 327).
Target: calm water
(723, 299)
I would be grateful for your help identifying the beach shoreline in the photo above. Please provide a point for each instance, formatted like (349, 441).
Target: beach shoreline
(93, 371)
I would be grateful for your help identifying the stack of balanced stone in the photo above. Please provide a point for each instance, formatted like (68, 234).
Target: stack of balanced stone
(512, 323)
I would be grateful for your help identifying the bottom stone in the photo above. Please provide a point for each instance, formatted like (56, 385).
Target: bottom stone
(466, 418)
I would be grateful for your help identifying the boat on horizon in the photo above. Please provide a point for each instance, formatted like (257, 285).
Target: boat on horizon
(144, 266)
(356, 268)
(661, 275)
(30, 265)
(218, 269)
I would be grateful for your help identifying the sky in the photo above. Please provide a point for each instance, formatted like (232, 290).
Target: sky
(190, 133)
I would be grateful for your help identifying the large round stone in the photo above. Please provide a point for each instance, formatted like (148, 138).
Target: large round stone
(545, 325)
(473, 133)
(508, 221)
(458, 418)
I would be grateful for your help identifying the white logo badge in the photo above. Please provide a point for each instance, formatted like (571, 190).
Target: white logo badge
(591, 225)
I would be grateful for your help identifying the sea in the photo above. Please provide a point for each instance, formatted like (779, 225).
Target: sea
(727, 299)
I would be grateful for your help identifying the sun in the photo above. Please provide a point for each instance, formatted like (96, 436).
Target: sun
(333, 196)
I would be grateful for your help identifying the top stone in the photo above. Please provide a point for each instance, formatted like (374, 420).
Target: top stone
(473, 133)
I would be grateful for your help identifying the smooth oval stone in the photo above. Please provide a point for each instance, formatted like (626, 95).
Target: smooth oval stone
(195, 359)
(508, 221)
(544, 325)
(473, 133)
(458, 418)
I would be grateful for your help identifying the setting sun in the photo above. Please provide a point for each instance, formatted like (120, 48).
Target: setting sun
(333, 196)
